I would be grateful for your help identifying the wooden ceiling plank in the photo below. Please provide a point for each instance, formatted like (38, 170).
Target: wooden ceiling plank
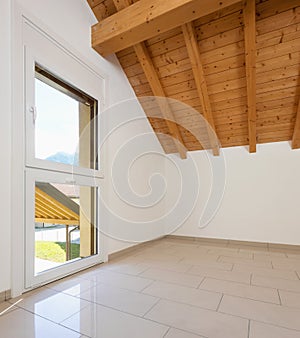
(51, 210)
(156, 86)
(250, 59)
(145, 19)
(54, 202)
(200, 81)
(94, 3)
(296, 133)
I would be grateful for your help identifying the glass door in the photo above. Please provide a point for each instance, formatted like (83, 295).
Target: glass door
(62, 171)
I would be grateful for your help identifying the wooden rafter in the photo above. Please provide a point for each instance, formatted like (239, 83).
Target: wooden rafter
(250, 58)
(197, 68)
(296, 134)
(147, 18)
(49, 210)
(156, 87)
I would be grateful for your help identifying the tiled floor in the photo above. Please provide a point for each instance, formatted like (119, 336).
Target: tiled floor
(170, 288)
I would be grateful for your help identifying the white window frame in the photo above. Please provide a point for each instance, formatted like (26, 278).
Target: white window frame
(20, 18)
(64, 67)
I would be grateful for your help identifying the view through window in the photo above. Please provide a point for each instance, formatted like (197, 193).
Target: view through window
(65, 224)
(65, 132)
(65, 125)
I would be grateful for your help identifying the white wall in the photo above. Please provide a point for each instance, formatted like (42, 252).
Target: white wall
(261, 197)
(5, 144)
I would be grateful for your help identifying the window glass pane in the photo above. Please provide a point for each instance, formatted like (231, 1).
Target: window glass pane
(65, 130)
(65, 224)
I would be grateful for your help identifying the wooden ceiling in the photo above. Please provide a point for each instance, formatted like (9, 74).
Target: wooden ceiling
(236, 63)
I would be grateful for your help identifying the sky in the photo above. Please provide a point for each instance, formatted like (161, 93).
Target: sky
(57, 123)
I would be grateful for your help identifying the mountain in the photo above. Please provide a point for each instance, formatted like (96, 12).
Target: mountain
(63, 157)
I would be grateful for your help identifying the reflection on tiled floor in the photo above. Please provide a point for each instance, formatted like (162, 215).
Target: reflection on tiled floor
(170, 288)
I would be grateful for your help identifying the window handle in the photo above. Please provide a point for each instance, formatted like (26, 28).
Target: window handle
(33, 111)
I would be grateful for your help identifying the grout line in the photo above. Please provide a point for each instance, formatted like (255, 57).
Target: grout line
(142, 290)
(249, 328)
(251, 276)
(52, 321)
(88, 301)
(203, 278)
(145, 314)
(260, 321)
(280, 302)
(217, 309)
(256, 300)
(165, 335)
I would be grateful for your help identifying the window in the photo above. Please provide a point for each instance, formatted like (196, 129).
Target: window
(65, 122)
(62, 168)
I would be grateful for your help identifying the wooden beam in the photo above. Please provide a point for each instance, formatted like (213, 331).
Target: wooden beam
(156, 87)
(197, 67)
(147, 18)
(250, 58)
(296, 134)
(56, 221)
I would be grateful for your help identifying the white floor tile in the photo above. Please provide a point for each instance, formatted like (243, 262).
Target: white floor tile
(291, 299)
(241, 290)
(259, 311)
(268, 272)
(208, 265)
(71, 286)
(120, 280)
(120, 299)
(52, 305)
(172, 277)
(261, 330)
(101, 322)
(20, 323)
(203, 322)
(126, 268)
(182, 294)
(248, 262)
(278, 283)
(175, 333)
(240, 277)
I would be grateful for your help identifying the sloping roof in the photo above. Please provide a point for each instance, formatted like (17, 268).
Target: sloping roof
(52, 206)
(253, 87)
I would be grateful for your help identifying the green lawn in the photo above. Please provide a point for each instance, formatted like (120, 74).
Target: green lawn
(55, 251)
